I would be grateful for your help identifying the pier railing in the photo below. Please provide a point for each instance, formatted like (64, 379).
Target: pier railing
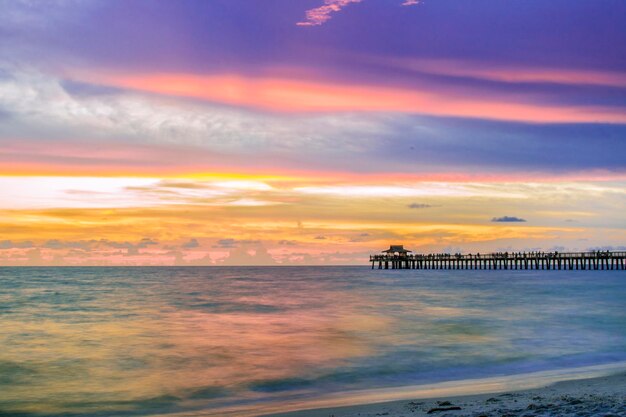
(594, 260)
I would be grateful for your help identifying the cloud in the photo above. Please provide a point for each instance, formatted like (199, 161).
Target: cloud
(40, 105)
(234, 243)
(319, 15)
(417, 189)
(147, 132)
(91, 191)
(291, 95)
(59, 244)
(360, 238)
(91, 245)
(245, 252)
(320, 237)
(193, 243)
(251, 257)
(146, 241)
(418, 206)
(133, 133)
(8, 244)
(507, 74)
(225, 243)
(60, 249)
(508, 219)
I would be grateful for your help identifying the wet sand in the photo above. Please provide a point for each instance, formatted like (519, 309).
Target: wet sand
(595, 397)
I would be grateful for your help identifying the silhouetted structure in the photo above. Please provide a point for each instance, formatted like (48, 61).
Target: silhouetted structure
(397, 250)
(396, 257)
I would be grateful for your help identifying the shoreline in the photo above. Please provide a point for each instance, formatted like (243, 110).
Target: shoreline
(585, 391)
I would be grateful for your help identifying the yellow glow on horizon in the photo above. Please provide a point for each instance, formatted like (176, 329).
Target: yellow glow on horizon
(213, 217)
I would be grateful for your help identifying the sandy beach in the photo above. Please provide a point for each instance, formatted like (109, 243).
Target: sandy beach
(598, 397)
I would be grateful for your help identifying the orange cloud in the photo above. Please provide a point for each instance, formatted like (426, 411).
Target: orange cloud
(288, 95)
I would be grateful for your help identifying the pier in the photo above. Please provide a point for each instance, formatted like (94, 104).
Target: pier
(396, 257)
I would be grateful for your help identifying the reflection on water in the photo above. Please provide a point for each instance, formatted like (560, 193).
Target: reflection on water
(142, 341)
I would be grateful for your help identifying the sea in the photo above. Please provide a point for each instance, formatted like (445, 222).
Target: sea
(222, 341)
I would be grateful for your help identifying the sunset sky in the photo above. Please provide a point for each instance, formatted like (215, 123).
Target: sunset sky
(241, 132)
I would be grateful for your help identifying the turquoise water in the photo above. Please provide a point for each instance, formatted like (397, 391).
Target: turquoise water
(148, 341)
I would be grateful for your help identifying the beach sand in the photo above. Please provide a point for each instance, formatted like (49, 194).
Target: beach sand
(601, 396)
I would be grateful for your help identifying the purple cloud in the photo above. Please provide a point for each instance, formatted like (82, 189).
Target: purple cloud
(193, 243)
(508, 219)
(418, 206)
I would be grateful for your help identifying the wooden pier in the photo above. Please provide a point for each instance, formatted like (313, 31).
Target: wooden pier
(595, 260)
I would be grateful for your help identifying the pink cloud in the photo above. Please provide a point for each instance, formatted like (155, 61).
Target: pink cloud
(319, 15)
(289, 95)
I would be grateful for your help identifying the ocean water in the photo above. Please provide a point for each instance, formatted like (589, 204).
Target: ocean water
(212, 341)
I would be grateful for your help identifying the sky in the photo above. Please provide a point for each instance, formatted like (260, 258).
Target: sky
(287, 132)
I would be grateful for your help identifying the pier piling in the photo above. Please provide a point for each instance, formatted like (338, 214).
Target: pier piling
(594, 260)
